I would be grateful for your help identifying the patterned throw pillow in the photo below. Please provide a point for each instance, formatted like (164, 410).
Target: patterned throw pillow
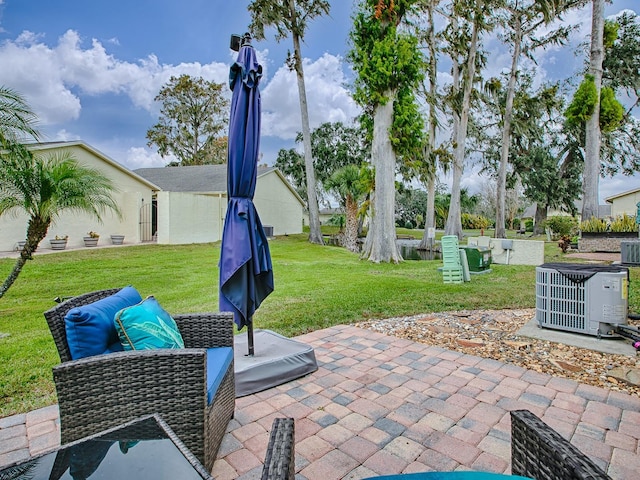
(147, 326)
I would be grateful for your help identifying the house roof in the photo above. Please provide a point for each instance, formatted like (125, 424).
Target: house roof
(43, 146)
(623, 194)
(331, 211)
(603, 210)
(200, 178)
(196, 178)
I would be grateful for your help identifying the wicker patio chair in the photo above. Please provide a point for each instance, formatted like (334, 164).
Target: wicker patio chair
(104, 391)
(279, 462)
(539, 452)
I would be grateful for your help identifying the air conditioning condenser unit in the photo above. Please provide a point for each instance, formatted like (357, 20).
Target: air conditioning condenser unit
(588, 299)
(630, 252)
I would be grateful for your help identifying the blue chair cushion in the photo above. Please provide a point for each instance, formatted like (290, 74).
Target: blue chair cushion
(90, 329)
(147, 326)
(218, 361)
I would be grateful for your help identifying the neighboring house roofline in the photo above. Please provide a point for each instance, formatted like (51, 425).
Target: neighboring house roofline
(41, 146)
(203, 179)
(623, 194)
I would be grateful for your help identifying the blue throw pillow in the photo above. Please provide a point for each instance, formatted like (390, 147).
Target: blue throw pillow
(90, 329)
(147, 326)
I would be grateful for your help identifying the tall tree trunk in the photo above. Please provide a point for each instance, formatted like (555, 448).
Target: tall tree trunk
(541, 216)
(36, 231)
(428, 243)
(454, 221)
(351, 227)
(13, 275)
(380, 244)
(315, 234)
(591, 174)
(506, 134)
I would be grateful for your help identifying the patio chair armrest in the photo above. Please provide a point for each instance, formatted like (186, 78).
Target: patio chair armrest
(206, 330)
(104, 391)
(538, 451)
(279, 463)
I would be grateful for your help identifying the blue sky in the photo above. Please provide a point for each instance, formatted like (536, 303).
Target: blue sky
(91, 69)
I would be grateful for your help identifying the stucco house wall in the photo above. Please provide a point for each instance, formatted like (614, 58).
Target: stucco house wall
(132, 193)
(190, 218)
(624, 203)
(192, 202)
(277, 204)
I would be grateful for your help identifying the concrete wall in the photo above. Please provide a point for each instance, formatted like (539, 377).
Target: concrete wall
(524, 252)
(130, 197)
(604, 243)
(190, 218)
(277, 205)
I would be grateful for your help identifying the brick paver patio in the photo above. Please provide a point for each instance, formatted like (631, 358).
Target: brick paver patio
(384, 405)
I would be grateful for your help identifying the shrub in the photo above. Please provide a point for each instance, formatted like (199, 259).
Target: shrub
(593, 225)
(561, 225)
(624, 223)
(564, 243)
(528, 225)
(474, 222)
(337, 220)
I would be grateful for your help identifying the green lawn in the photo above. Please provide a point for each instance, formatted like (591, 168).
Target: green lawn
(316, 287)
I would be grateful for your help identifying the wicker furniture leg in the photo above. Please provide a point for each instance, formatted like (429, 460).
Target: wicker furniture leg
(279, 463)
(539, 452)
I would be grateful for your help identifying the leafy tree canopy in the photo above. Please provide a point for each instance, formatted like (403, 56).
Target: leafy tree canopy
(621, 65)
(286, 16)
(334, 145)
(611, 111)
(387, 59)
(193, 117)
(584, 102)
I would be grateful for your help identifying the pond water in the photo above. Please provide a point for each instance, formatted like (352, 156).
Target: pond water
(409, 251)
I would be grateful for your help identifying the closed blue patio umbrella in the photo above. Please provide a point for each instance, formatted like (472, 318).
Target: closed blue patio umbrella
(246, 273)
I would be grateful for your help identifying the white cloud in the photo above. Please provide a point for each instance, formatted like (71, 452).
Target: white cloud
(64, 136)
(53, 79)
(139, 157)
(327, 97)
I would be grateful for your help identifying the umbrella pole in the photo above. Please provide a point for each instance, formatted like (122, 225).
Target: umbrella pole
(250, 338)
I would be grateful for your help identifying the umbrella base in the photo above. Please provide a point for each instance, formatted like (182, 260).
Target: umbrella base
(276, 360)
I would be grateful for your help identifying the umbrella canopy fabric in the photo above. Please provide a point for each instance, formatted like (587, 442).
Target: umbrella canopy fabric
(246, 273)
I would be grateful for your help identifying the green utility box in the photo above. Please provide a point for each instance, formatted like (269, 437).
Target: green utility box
(479, 258)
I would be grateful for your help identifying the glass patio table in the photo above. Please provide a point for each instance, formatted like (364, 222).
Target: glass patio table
(146, 448)
(470, 475)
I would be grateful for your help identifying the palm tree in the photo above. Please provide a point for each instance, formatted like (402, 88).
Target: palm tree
(17, 120)
(44, 188)
(350, 186)
(291, 17)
